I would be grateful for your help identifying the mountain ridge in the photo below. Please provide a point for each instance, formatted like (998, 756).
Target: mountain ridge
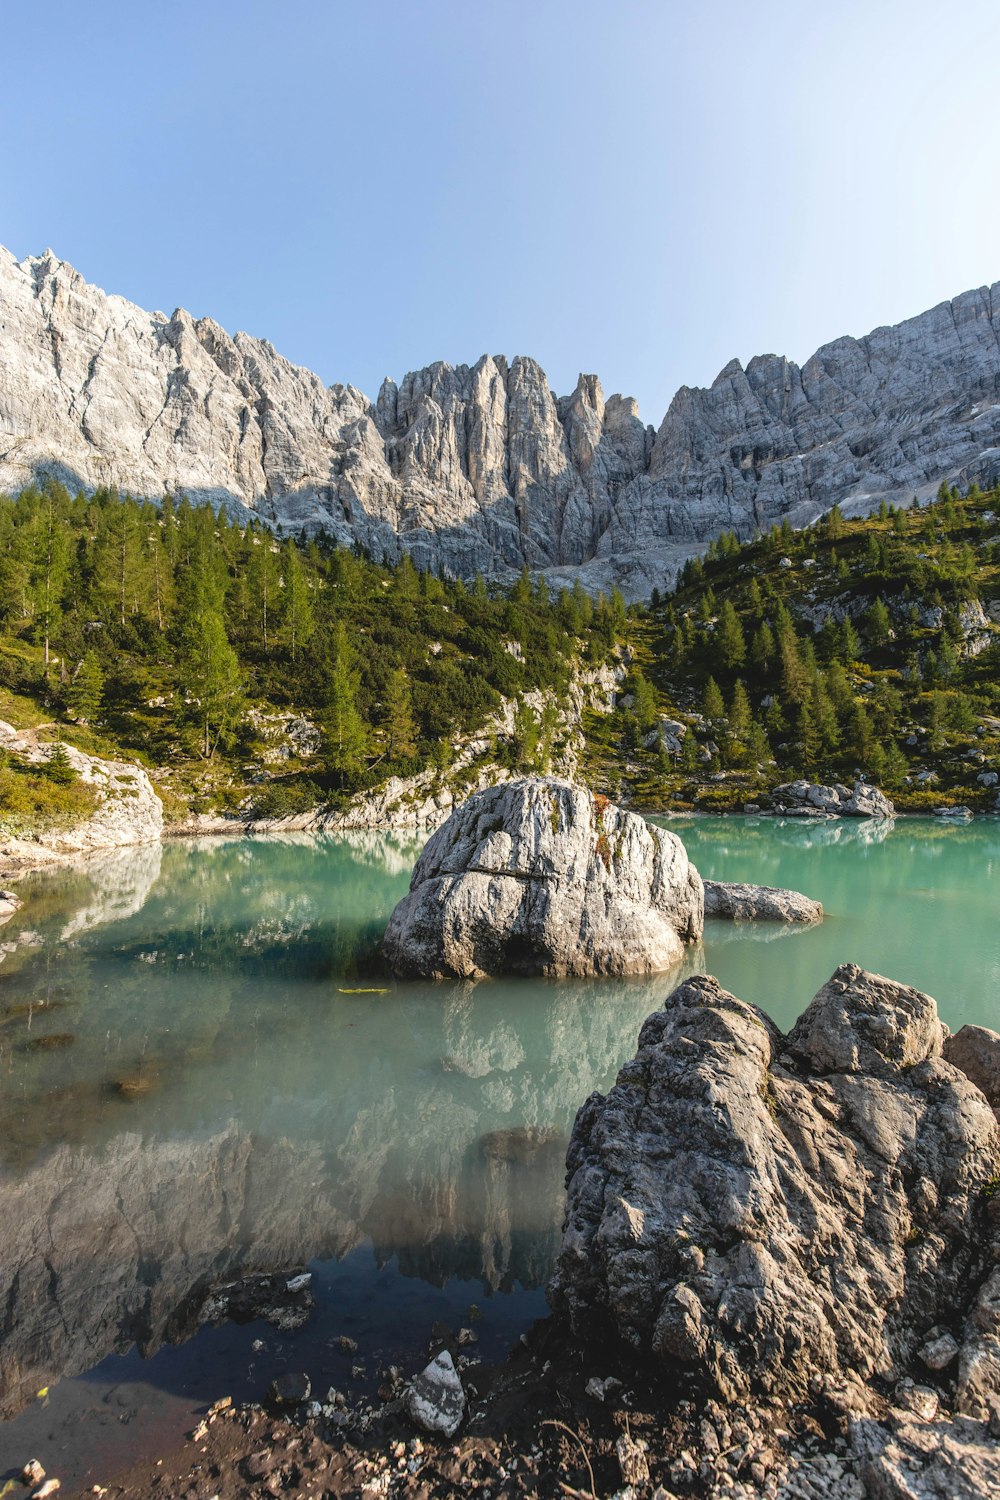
(483, 468)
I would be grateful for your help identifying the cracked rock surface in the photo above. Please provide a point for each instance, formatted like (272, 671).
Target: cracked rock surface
(482, 467)
(774, 1211)
(539, 877)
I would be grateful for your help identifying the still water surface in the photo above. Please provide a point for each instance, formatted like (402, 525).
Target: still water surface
(204, 1071)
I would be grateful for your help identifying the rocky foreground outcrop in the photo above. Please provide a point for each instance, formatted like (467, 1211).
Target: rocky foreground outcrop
(128, 811)
(540, 877)
(807, 799)
(481, 467)
(758, 903)
(780, 1215)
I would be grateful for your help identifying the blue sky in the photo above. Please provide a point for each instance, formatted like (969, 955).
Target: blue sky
(635, 188)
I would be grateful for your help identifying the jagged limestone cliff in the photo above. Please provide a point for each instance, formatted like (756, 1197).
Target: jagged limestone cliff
(482, 467)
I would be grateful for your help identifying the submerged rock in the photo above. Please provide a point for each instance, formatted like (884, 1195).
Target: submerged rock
(759, 903)
(810, 800)
(9, 904)
(771, 1211)
(539, 877)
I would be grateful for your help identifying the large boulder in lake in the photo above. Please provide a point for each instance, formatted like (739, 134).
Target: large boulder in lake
(776, 1213)
(540, 877)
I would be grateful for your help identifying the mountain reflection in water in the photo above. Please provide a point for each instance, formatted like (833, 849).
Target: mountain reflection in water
(189, 1089)
(223, 1107)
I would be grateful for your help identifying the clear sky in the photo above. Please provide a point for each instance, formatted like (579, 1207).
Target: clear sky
(639, 188)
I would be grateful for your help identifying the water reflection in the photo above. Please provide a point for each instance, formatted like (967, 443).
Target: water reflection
(204, 1070)
(224, 1106)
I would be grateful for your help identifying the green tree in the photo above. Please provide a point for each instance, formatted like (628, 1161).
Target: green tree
(49, 565)
(297, 608)
(877, 623)
(208, 667)
(645, 704)
(729, 638)
(84, 689)
(713, 707)
(345, 731)
(398, 723)
(262, 580)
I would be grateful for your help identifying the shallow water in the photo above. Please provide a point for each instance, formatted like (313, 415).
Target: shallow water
(203, 1071)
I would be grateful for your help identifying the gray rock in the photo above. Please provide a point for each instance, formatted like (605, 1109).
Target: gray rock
(480, 467)
(913, 1460)
(759, 903)
(9, 904)
(812, 800)
(773, 1211)
(128, 810)
(939, 1351)
(435, 1399)
(976, 1050)
(539, 877)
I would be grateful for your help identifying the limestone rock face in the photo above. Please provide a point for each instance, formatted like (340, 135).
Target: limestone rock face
(759, 903)
(805, 799)
(128, 810)
(481, 467)
(764, 1210)
(976, 1050)
(912, 1460)
(539, 877)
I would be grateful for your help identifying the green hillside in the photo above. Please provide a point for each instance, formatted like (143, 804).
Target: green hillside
(167, 633)
(855, 647)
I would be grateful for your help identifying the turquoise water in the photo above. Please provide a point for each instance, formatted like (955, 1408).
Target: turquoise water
(918, 901)
(204, 1072)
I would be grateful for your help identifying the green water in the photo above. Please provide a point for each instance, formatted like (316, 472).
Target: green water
(918, 901)
(189, 1089)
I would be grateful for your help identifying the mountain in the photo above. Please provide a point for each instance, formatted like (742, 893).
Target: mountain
(482, 468)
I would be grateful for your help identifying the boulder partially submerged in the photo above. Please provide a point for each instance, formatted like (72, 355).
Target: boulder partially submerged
(777, 1214)
(537, 876)
(808, 799)
(759, 903)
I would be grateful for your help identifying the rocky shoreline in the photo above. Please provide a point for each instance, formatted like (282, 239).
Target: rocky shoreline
(779, 1280)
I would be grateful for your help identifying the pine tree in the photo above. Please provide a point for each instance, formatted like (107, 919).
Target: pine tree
(740, 712)
(49, 564)
(763, 648)
(84, 690)
(713, 706)
(263, 580)
(877, 623)
(297, 609)
(345, 732)
(118, 560)
(397, 720)
(729, 639)
(209, 668)
(645, 705)
(850, 642)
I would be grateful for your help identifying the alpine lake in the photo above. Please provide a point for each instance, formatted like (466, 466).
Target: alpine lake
(205, 1073)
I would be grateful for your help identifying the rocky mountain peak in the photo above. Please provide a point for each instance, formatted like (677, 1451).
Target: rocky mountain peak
(482, 468)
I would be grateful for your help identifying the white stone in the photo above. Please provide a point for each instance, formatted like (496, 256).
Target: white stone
(539, 877)
(435, 1399)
